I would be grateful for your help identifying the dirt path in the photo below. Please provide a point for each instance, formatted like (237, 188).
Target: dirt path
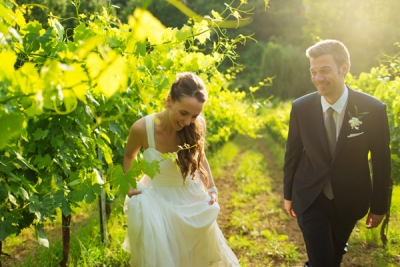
(226, 184)
(289, 227)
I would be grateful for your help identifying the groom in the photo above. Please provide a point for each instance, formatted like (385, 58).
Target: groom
(328, 183)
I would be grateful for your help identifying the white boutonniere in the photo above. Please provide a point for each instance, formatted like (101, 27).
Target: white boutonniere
(355, 121)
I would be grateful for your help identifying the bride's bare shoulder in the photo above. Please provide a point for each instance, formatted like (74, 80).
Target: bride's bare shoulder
(138, 132)
(138, 126)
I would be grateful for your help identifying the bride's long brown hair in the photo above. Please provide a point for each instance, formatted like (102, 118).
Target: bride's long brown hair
(189, 160)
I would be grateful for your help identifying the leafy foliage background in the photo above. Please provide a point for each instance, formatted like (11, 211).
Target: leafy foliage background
(71, 94)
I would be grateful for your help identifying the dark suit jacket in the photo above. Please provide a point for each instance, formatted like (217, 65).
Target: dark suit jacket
(309, 165)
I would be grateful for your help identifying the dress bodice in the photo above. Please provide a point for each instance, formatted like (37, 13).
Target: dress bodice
(169, 175)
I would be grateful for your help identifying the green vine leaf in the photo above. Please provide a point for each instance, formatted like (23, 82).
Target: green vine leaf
(151, 168)
(123, 182)
(41, 236)
(8, 226)
(40, 134)
(12, 125)
(58, 28)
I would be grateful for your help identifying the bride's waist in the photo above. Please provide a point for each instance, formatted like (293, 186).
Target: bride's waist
(164, 180)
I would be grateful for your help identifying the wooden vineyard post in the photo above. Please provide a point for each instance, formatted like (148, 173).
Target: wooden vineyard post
(66, 237)
(102, 202)
(1, 251)
(108, 210)
(102, 211)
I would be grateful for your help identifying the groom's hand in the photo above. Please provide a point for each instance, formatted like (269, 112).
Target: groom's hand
(288, 208)
(374, 220)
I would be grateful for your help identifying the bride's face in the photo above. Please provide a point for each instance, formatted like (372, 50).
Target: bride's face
(184, 112)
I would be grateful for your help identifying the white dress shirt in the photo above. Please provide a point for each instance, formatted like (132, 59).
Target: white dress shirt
(339, 108)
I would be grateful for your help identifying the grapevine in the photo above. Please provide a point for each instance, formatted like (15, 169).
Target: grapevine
(65, 96)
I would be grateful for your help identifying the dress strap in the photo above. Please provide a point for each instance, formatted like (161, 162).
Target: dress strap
(150, 130)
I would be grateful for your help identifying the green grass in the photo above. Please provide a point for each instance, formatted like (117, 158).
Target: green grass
(363, 238)
(222, 158)
(276, 149)
(256, 239)
(86, 247)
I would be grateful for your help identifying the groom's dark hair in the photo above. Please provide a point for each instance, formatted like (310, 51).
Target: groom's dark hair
(330, 47)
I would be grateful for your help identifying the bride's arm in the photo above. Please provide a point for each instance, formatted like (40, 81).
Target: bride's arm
(132, 148)
(212, 190)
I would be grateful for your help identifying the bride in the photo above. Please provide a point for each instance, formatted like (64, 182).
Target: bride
(172, 217)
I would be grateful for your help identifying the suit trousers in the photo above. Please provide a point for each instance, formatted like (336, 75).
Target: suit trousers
(325, 232)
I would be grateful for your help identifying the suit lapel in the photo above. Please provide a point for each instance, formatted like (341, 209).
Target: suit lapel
(320, 126)
(345, 129)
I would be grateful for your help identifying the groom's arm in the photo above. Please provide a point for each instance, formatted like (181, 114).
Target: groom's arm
(294, 149)
(380, 158)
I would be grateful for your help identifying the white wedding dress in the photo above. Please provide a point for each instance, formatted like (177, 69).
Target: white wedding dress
(171, 224)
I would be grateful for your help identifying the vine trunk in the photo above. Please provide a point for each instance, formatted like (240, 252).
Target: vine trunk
(66, 237)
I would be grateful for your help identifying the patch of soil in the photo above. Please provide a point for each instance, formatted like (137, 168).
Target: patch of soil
(18, 254)
(290, 227)
(226, 184)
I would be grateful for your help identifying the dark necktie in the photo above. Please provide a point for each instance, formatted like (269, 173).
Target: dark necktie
(330, 126)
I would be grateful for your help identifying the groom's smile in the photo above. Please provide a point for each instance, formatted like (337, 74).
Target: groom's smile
(327, 77)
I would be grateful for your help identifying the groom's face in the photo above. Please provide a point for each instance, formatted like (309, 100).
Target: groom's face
(327, 77)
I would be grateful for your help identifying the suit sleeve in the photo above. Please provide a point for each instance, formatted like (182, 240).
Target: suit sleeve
(294, 149)
(380, 157)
